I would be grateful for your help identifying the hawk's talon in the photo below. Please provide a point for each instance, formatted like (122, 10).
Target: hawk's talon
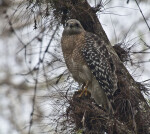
(84, 89)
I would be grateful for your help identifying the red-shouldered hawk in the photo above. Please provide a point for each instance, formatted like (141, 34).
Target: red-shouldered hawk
(89, 62)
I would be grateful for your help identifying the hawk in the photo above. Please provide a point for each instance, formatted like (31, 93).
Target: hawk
(90, 63)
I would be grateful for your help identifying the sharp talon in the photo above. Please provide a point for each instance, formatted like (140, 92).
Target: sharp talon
(84, 91)
(81, 93)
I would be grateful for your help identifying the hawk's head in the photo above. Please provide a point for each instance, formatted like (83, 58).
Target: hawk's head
(73, 26)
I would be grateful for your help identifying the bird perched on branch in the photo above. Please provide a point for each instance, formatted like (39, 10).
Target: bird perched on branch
(89, 62)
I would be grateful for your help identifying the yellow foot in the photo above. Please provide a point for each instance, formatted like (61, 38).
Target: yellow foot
(83, 91)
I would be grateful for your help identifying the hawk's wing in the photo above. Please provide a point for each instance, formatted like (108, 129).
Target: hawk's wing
(100, 63)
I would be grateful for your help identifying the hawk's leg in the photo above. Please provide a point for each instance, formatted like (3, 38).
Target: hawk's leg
(84, 89)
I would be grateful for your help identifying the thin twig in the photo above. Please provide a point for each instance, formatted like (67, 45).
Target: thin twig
(144, 43)
(52, 37)
(33, 104)
(142, 15)
(35, 90)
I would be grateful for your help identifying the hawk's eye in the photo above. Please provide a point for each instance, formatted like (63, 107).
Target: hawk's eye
(77, 25)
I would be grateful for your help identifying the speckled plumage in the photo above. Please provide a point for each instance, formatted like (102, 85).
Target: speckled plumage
(88, 60)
